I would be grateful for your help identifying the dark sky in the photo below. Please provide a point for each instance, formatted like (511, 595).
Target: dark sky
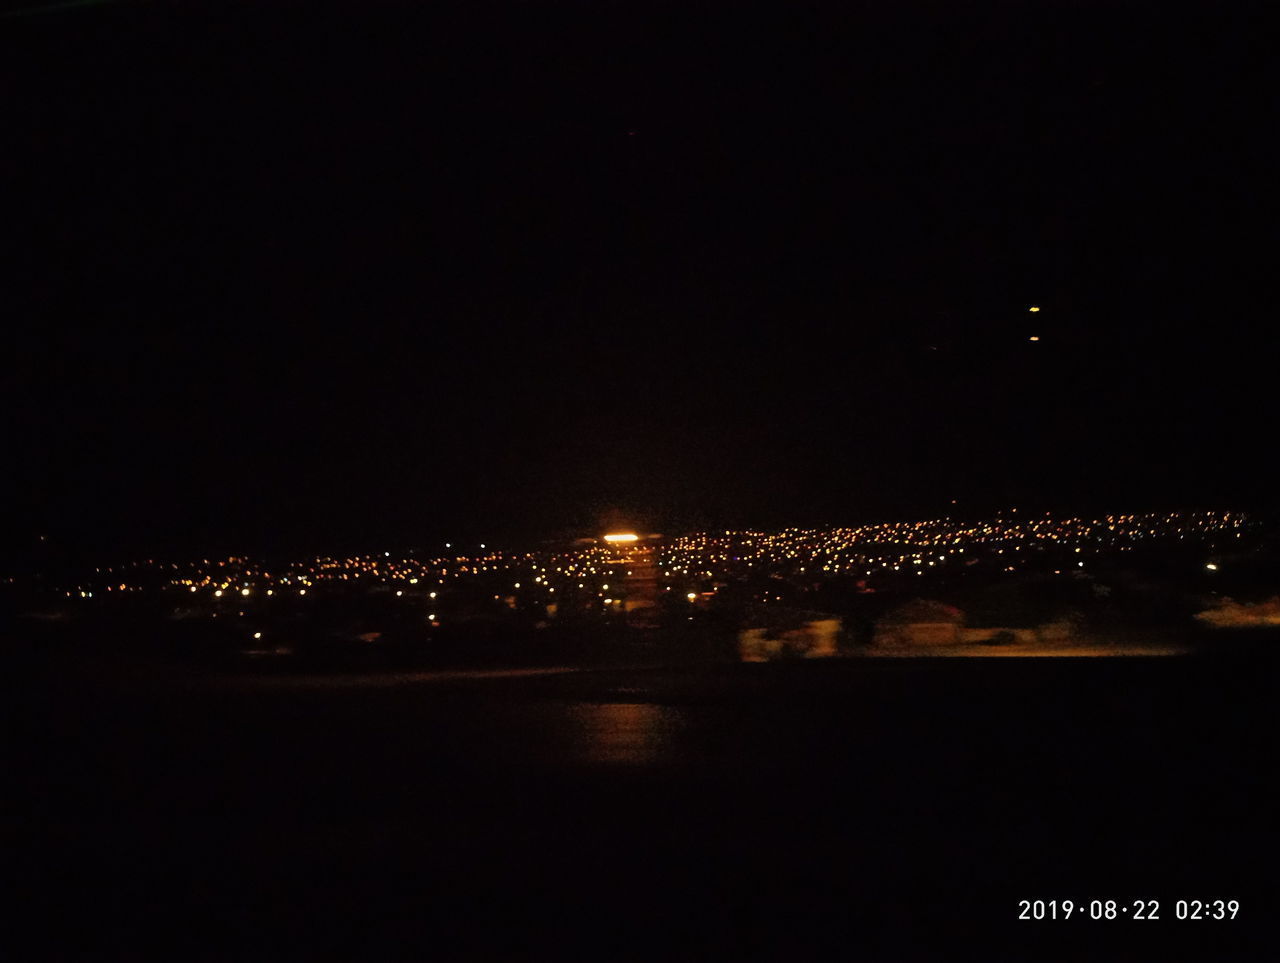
(308, 274)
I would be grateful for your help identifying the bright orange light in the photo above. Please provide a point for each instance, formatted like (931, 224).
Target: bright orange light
(1034, 337)
(1033, 309)
(622, 537)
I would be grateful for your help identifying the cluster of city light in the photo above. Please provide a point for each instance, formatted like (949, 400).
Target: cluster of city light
(606, 571)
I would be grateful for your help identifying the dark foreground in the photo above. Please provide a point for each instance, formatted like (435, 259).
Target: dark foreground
(877, 811)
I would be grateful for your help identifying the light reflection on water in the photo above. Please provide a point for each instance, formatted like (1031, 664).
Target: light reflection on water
(636, 733)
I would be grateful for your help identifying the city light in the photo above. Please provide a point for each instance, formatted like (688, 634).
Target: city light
(694, 566)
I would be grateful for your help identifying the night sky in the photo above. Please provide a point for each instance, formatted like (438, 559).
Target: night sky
(314, 275)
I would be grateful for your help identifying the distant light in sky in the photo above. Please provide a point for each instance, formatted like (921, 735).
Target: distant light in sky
(1034, 337)
(257, 635)
(622, 537)
(1033, 309)
(1211, 567)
